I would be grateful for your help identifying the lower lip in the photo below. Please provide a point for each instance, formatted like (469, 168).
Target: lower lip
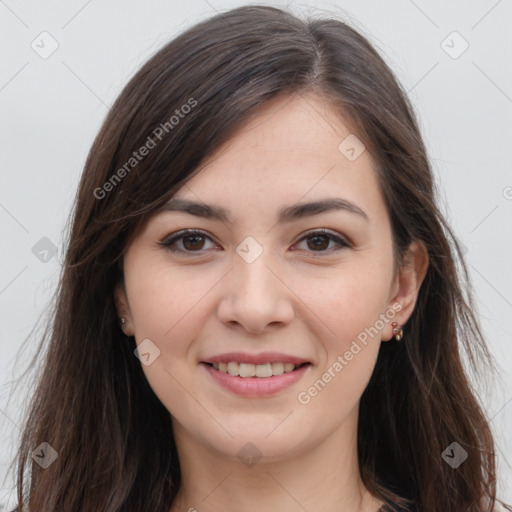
(256, 386)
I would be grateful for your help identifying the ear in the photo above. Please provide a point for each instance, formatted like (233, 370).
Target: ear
(407, 284)
(123, 309)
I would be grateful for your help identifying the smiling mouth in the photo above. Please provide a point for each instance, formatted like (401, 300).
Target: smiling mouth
(257, 371)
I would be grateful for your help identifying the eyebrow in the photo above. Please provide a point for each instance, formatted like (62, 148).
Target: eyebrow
(286, 214)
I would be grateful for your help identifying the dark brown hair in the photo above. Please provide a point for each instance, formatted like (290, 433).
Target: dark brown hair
(93, 403)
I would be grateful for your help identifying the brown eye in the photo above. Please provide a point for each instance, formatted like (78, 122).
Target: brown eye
(318, 241)
(193, 242)
(190, 241)
(186, 242)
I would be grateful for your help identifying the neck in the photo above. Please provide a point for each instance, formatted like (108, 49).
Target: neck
(324, 477)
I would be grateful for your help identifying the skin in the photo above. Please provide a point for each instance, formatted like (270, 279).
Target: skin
(294, 298)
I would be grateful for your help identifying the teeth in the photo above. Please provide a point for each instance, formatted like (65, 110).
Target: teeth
(233, 368)
(288, 367)
(246, 370)
(277, 368)
(262, 370)
(255, 370)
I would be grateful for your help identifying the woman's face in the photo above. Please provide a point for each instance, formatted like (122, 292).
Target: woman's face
(264, 286)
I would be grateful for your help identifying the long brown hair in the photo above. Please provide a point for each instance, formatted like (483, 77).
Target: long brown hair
(93, 404)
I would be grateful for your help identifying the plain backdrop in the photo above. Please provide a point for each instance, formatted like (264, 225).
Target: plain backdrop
(453, 57)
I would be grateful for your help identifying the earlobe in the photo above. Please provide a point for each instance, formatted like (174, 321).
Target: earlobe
(122, 310)
(409, 280)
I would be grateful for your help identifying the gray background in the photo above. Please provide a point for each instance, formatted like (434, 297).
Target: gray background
(51, 109)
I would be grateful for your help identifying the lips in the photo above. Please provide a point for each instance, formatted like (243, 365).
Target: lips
(256, 374)
(256, 359)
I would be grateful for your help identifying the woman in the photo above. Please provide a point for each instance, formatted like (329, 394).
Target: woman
(260, 307)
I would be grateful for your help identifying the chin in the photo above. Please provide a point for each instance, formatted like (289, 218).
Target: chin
(263, 444)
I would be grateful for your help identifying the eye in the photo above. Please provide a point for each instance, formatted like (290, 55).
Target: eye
(319, 240)
(189, 241)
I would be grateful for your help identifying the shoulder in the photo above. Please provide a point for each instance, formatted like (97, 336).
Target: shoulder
(498, 507)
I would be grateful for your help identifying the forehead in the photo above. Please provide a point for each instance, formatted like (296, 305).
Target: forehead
(291, 127)
(293, 147)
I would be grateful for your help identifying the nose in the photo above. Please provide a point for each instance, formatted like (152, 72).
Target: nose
(255, 297)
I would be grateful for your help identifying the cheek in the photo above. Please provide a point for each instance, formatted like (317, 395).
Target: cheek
(164, 306)
(347, 303)
(351, 347)
(164, 299)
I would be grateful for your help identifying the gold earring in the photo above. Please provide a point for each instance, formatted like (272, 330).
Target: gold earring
(398, 332)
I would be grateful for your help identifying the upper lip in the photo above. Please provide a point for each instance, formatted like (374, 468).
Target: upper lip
(264, 357)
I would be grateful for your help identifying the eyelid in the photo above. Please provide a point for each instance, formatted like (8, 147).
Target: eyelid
(342, 241)
(174, 237)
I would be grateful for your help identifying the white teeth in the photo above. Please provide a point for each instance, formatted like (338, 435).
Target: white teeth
(255, 370)
(288, 367)
(277, 368)
(233, 369)
(263, 370)
(247, 370)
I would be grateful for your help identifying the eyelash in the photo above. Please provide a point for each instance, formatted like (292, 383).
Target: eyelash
(170, 241)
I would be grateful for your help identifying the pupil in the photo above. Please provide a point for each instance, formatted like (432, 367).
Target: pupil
(193, 237)
(320, 246)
